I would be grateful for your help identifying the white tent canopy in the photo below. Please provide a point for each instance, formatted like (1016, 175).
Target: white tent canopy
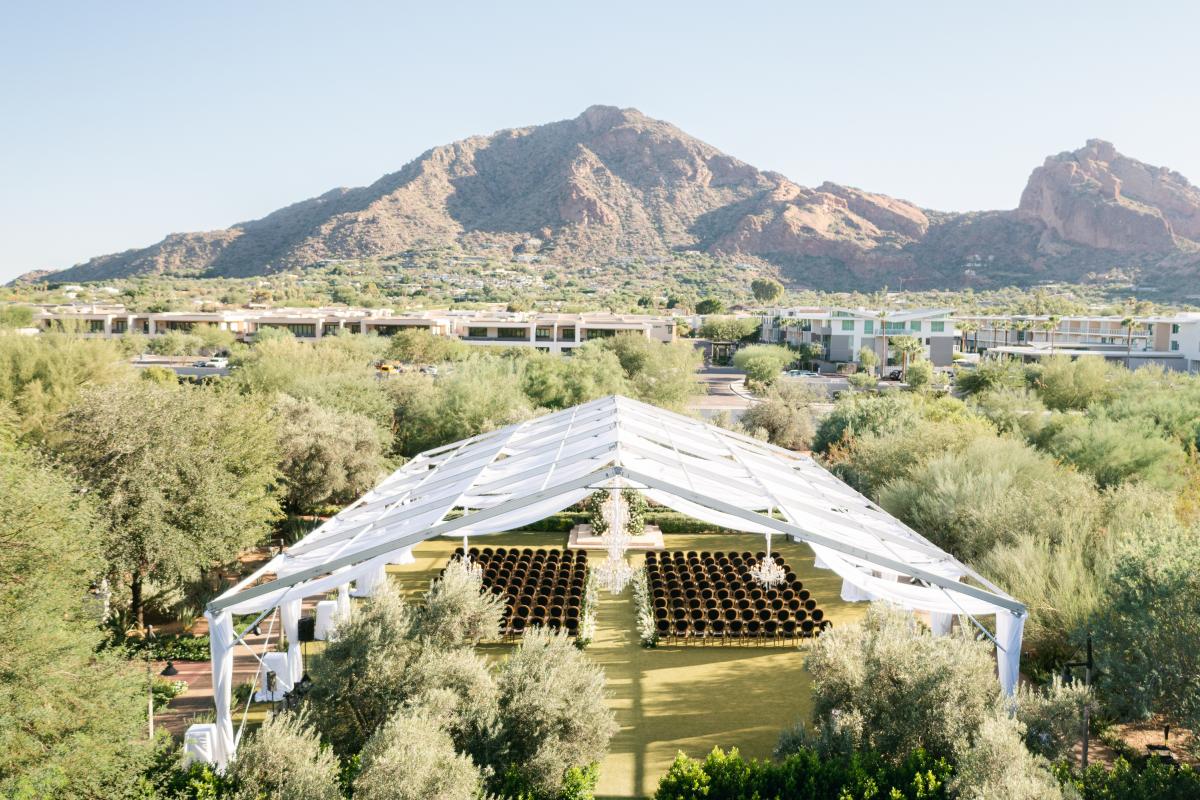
(522, 473)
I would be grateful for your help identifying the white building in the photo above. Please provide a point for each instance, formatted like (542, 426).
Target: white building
(548, 332)
(1169, 340)
(843, 332)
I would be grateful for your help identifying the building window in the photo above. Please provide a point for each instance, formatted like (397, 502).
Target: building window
(937, 327)
(545, 334)
(511, 333)
(847, 324)
(566, 334)
(299, 329)
(914, 326)
(869, 326)
(1174, 329)
(599, 333)
(893, 327)
(477, 333)
(120, 325)
(1174, 344)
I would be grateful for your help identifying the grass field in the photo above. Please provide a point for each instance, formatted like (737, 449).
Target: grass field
(675, 698)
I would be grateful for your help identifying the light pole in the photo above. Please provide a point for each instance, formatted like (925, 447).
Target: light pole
(168, 671)
(1087, 681)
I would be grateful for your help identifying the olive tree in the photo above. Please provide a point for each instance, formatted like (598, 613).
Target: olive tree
(457, 611)
(552, 714)
(284, 760)
(412, 758)
(325, 456)
(1146, 635)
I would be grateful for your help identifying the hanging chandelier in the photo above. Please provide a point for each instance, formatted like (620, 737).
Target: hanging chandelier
(615, 573)
(766, 572)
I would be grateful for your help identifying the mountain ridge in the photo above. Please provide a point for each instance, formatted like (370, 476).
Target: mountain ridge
(616, 183)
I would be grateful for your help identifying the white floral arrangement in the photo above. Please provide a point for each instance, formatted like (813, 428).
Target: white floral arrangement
(587, 618)
(647, 630)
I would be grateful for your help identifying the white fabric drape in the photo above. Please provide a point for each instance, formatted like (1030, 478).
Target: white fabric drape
(220, 644)
(1009, 629)
(289, 614)
(940, 623)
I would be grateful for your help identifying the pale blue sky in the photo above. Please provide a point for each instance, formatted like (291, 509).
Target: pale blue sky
(121, 122)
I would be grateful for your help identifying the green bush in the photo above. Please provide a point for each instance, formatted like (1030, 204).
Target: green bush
(181, 647)
(1155, 781)
(763, 362)
(805, 775)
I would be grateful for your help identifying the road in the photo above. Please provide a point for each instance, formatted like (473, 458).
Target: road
(718, 396)
(181, 365)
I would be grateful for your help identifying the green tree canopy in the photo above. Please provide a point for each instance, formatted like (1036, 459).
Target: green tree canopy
(325, 457)
(762, 363)
(182, 479)
(72, 721)
(710, 305)
(766, 290)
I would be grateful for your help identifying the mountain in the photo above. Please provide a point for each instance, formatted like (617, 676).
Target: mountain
(615, 183)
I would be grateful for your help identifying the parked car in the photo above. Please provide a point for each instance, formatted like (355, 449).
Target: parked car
(215, 363)
(894, 375)
(802, 373)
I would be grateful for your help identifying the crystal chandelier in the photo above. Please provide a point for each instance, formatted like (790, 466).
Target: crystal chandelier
(615, 573)
(766, 572)
(472, 567)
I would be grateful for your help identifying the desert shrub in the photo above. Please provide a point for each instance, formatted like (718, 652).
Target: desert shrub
(997, 766)
(869, 461)
(971, 501)
(284, 759)
(993, 374)
(919, 374)
(1012, 410)
(1062, 584)
(1052, 716)
(412, 758)
(1064, 384)
(785, 416)
(1114, 452)
(657, 373)
(861, 414)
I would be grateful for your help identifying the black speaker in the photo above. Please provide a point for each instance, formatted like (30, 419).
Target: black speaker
(306, 629)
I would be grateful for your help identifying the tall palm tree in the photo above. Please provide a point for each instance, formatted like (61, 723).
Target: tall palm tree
(964, 327)
(1006, 326)
(1050, 326)
(1127, 323)
(1021, 327)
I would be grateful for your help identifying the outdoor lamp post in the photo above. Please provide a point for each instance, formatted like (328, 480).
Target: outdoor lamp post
(150, 679)
(1087, 681)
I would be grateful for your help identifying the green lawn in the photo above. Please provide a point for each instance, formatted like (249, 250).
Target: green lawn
(677, 698)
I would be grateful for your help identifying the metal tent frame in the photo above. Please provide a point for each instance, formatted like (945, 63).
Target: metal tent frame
(515, 475)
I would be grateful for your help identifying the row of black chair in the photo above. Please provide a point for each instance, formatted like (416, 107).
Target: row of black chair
(713, 596)
(540, 588)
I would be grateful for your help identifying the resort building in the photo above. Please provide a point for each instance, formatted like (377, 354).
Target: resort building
(548, 332)
(1170, 340)
(843, 332)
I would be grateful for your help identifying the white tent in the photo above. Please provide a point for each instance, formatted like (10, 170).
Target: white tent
(516, 475)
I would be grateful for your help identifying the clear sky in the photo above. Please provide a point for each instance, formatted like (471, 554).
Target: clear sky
(121, 121)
